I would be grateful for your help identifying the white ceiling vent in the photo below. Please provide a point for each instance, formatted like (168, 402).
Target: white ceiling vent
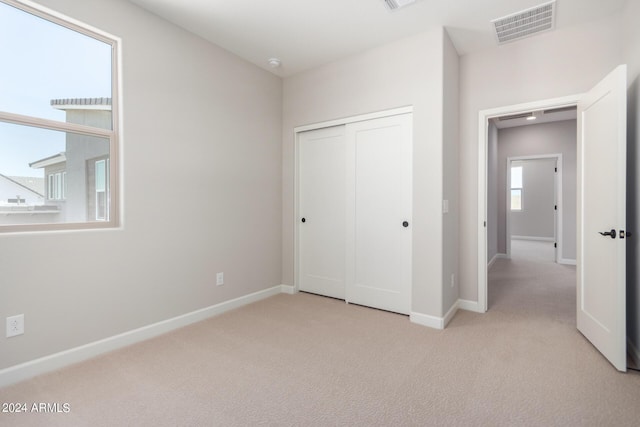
(525, 23)
(397, 4)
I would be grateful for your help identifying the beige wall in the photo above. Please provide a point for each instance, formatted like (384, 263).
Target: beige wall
(407, 72)
(450, 125)
(197, 120)
(559, 63)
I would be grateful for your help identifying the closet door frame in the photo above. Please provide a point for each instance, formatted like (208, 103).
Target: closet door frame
(320, 125)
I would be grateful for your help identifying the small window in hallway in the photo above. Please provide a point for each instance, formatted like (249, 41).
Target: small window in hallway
(516, 188)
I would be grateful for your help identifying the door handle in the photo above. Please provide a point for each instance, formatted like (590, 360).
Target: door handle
(304, 220)
(405, 224)
(611, 233)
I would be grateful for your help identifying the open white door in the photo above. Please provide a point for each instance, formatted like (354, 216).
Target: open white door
(601, 289)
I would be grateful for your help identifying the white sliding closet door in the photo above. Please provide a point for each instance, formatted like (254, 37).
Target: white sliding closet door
(321, 223)
(379, 196)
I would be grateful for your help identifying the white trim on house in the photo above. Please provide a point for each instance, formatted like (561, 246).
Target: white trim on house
(49, 363)
(483, 136)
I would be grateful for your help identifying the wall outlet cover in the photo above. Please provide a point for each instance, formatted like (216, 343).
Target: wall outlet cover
(15, 325)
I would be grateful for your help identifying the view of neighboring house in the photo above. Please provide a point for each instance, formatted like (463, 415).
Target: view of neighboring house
(74, 183)
(18, 191)
(22, 201)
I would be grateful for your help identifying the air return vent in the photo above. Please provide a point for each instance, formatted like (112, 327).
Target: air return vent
(526, 23)
(397, 4)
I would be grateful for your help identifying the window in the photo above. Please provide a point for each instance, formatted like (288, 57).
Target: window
(516, 188)
(57, 184)
(101, 190)
(58, 121)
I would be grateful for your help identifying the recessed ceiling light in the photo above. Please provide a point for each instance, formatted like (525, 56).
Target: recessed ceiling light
(397, 4)
(274, 62)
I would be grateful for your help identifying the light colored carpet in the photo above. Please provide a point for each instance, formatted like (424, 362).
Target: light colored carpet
(305, 360)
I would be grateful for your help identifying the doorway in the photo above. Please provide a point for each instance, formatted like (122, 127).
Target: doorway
(534, 204)
(485, 117)
(601, 210)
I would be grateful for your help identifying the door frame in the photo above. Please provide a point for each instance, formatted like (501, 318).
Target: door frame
(483, 139)
(296, 179)
(557, 195)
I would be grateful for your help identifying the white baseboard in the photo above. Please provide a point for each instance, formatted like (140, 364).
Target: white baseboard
(566, 261)
(633, 352)
(434, 321)
(452, 312)
(534, 238)
(442, 322)
(64, 358)
(495, 258)
(288, 289)
(464, 304)
(426, 320)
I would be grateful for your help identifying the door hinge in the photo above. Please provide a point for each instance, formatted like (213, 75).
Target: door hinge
(485, 223)
(555, 245)
(555, 207)
(556, 169)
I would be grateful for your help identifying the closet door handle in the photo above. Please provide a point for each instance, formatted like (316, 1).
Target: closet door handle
(405, 224)
(303, 220)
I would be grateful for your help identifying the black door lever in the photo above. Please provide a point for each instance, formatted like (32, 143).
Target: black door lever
(611, 233)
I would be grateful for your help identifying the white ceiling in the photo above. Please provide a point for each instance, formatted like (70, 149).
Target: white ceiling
(304, 34)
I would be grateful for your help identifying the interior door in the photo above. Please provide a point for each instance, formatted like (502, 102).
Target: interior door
(379, 194)
(601, 206)
(321, 221)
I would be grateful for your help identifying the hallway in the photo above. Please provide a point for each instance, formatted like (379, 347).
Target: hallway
(531, 283)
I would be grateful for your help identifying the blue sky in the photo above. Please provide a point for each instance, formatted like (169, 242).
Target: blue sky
(42, 61)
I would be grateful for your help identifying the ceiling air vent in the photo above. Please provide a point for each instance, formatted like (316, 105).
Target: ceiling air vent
(526, 23)
(397, 4)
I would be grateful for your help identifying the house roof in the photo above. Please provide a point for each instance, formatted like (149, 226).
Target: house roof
(32, 184)
(82, 104)
(48, 161)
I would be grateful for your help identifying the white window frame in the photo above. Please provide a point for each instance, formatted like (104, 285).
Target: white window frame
(50, 178)
(63, 195)
(112, 135)
(102, 191)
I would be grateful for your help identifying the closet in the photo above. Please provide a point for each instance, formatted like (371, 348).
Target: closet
(354, 212)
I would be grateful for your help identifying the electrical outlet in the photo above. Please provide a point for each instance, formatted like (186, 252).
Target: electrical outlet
(15, 325)
(219, 279)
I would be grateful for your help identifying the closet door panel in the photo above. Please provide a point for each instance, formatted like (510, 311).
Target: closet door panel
(379, 208)
(322, 208)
